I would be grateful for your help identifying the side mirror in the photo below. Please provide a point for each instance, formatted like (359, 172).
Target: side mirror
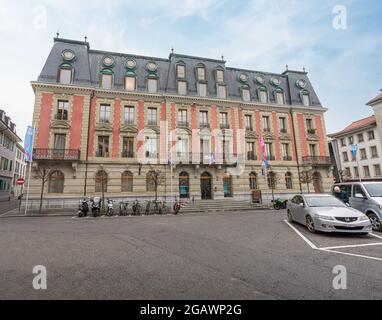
(360, 195)
(302, 205)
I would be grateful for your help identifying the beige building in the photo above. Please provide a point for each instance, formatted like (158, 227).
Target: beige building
(104, 120)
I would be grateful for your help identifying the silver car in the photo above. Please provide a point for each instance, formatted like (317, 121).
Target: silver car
(326, 213)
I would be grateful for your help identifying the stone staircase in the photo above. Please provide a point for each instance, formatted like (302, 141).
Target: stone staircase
(218, 205)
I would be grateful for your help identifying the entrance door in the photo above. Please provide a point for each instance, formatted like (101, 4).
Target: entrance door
(184, 185)
(227, 185)
(206, 186)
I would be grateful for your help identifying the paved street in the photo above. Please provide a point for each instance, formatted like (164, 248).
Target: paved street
(7, 206)
(232, 255)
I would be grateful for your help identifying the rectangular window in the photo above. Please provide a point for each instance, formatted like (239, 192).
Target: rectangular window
(343, 143)
(202, 89)
(248, 122)
(223, 120)
(182, 118)
(222, 91)
(279, 98)
(377, 170)
(182, 147)
(130, 83)
(360, 137)
(348, 172)
(250, 151)
(128, 147)
(345, 156)
(266, 124)
(309, 124)
(356, 172)
(219, 76)
(59, 141)
(180, 71)
(203, 118)
(10, 165)
(152, 85)
(285, 151)
(263, 96)
(65, 76)
(152, 116)
(103, 146)
(268, 151)
(246, 94)
(363, 154)
(305, 100)
(5, 165)
(371, 135)
(312, 150)
(62, 110)
(201, 74)
(107, 81)
(366, 171)
(104, 114)
(182, 87)
(129, 115)
(151, 147)
(283, 127)
(374, 152)
(351, 140)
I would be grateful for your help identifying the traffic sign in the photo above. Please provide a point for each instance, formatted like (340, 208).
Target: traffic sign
(20, 181)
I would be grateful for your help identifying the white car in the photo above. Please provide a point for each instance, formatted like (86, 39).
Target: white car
(327, 214)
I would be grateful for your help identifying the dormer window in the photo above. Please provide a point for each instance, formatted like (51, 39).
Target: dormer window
(305, 99)
(279, 96)
(66, 72)
(152, 85)
(202, 89)
(263, 95)
(245, 94)
(201, 73)
(221, 91)
(106, 79)
(130, 83)
(182, 87)
(181, 71)
(219, 75)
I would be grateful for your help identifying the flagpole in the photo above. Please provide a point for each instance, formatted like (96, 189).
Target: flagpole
(30, 169)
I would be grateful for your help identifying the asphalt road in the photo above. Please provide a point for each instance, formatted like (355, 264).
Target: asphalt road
(6, 206)
(231, 255)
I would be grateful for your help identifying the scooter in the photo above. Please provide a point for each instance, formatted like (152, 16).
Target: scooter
(280, 204)
(136, 208)
(176, 207)
(83, 208)
(96, 206)
(110, 209)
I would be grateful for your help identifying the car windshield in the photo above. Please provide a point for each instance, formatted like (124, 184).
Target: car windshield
(374, 189)
(324, 202)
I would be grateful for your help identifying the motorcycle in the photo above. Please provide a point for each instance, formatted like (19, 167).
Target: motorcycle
(136, 208)
(83, 208)
(176, 207)
(96, 206)
(123, 208)
(280, 204)
(110, 209)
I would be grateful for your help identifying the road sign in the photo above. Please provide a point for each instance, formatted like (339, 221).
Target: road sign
(20, 181)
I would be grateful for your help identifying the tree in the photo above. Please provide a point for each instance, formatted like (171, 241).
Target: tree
(43, 174)
(306, 177)
(156, 178)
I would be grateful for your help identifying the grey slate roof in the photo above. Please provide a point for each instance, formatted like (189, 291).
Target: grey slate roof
(88, 65)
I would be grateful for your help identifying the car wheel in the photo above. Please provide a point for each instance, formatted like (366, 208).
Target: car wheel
(375, 222)
(310, 224)
(290, 217)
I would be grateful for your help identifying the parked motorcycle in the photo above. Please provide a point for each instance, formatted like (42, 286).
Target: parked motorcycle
(176, 207)
(136, 208)
(96, 206)
(110, 208)
(83, 208)
(280, 204)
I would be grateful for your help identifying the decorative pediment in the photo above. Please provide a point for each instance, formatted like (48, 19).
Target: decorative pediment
(103, 127)
(251, 135)
(128, 128)
(312, 137)
(60, 124)
(268, 136)
(156, 129)
(285, 136)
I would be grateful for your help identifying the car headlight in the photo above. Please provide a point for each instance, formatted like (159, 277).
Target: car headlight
(324, 217)
(364, 218)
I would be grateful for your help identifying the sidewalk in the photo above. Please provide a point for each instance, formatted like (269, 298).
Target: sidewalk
(15, 213)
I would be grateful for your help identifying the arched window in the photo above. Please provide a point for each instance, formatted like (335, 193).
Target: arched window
(127, 182)
(184, 185)
(65, 73)
(56, 182)
(305, 98)
(271, 179)
(279, 96)
(253, 181)
(288, 180)
(263, 94)
(101, 181)
(150, 181)
(245, 93)
(180, 70)
(106, 79)
(130, 81)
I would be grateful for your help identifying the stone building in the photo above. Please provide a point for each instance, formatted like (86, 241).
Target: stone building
(20, 170)
(104, 120)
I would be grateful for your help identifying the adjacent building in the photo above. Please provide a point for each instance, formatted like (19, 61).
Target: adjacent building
(105, 120)
(364, 134)
(8, 142)
(20, 170)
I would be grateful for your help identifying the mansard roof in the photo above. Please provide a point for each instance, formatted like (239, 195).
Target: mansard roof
(88, 64)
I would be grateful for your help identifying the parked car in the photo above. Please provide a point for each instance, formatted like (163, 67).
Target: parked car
(367, 198)
(327, 214)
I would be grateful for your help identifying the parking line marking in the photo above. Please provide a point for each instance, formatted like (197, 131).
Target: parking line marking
(310, 243)
(374, 235)
(352, 246)
(352, 254)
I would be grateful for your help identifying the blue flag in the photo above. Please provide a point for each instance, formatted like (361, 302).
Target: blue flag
(28, 144)
(355, 150)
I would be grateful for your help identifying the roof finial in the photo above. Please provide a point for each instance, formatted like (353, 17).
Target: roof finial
(286, 66)
(58, 34)
(303, 68)
(86, 38)
(172, 50)
(222, 58)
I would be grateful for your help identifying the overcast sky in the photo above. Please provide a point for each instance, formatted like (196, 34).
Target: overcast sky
(344, 65)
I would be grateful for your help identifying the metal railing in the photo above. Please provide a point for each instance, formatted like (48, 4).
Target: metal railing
(224, 126)
(251, 156)
(316, 160)
(183, 124)
(56, 154)
(127, 154)
(102, 154)
(287, 158)
(204, 125)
